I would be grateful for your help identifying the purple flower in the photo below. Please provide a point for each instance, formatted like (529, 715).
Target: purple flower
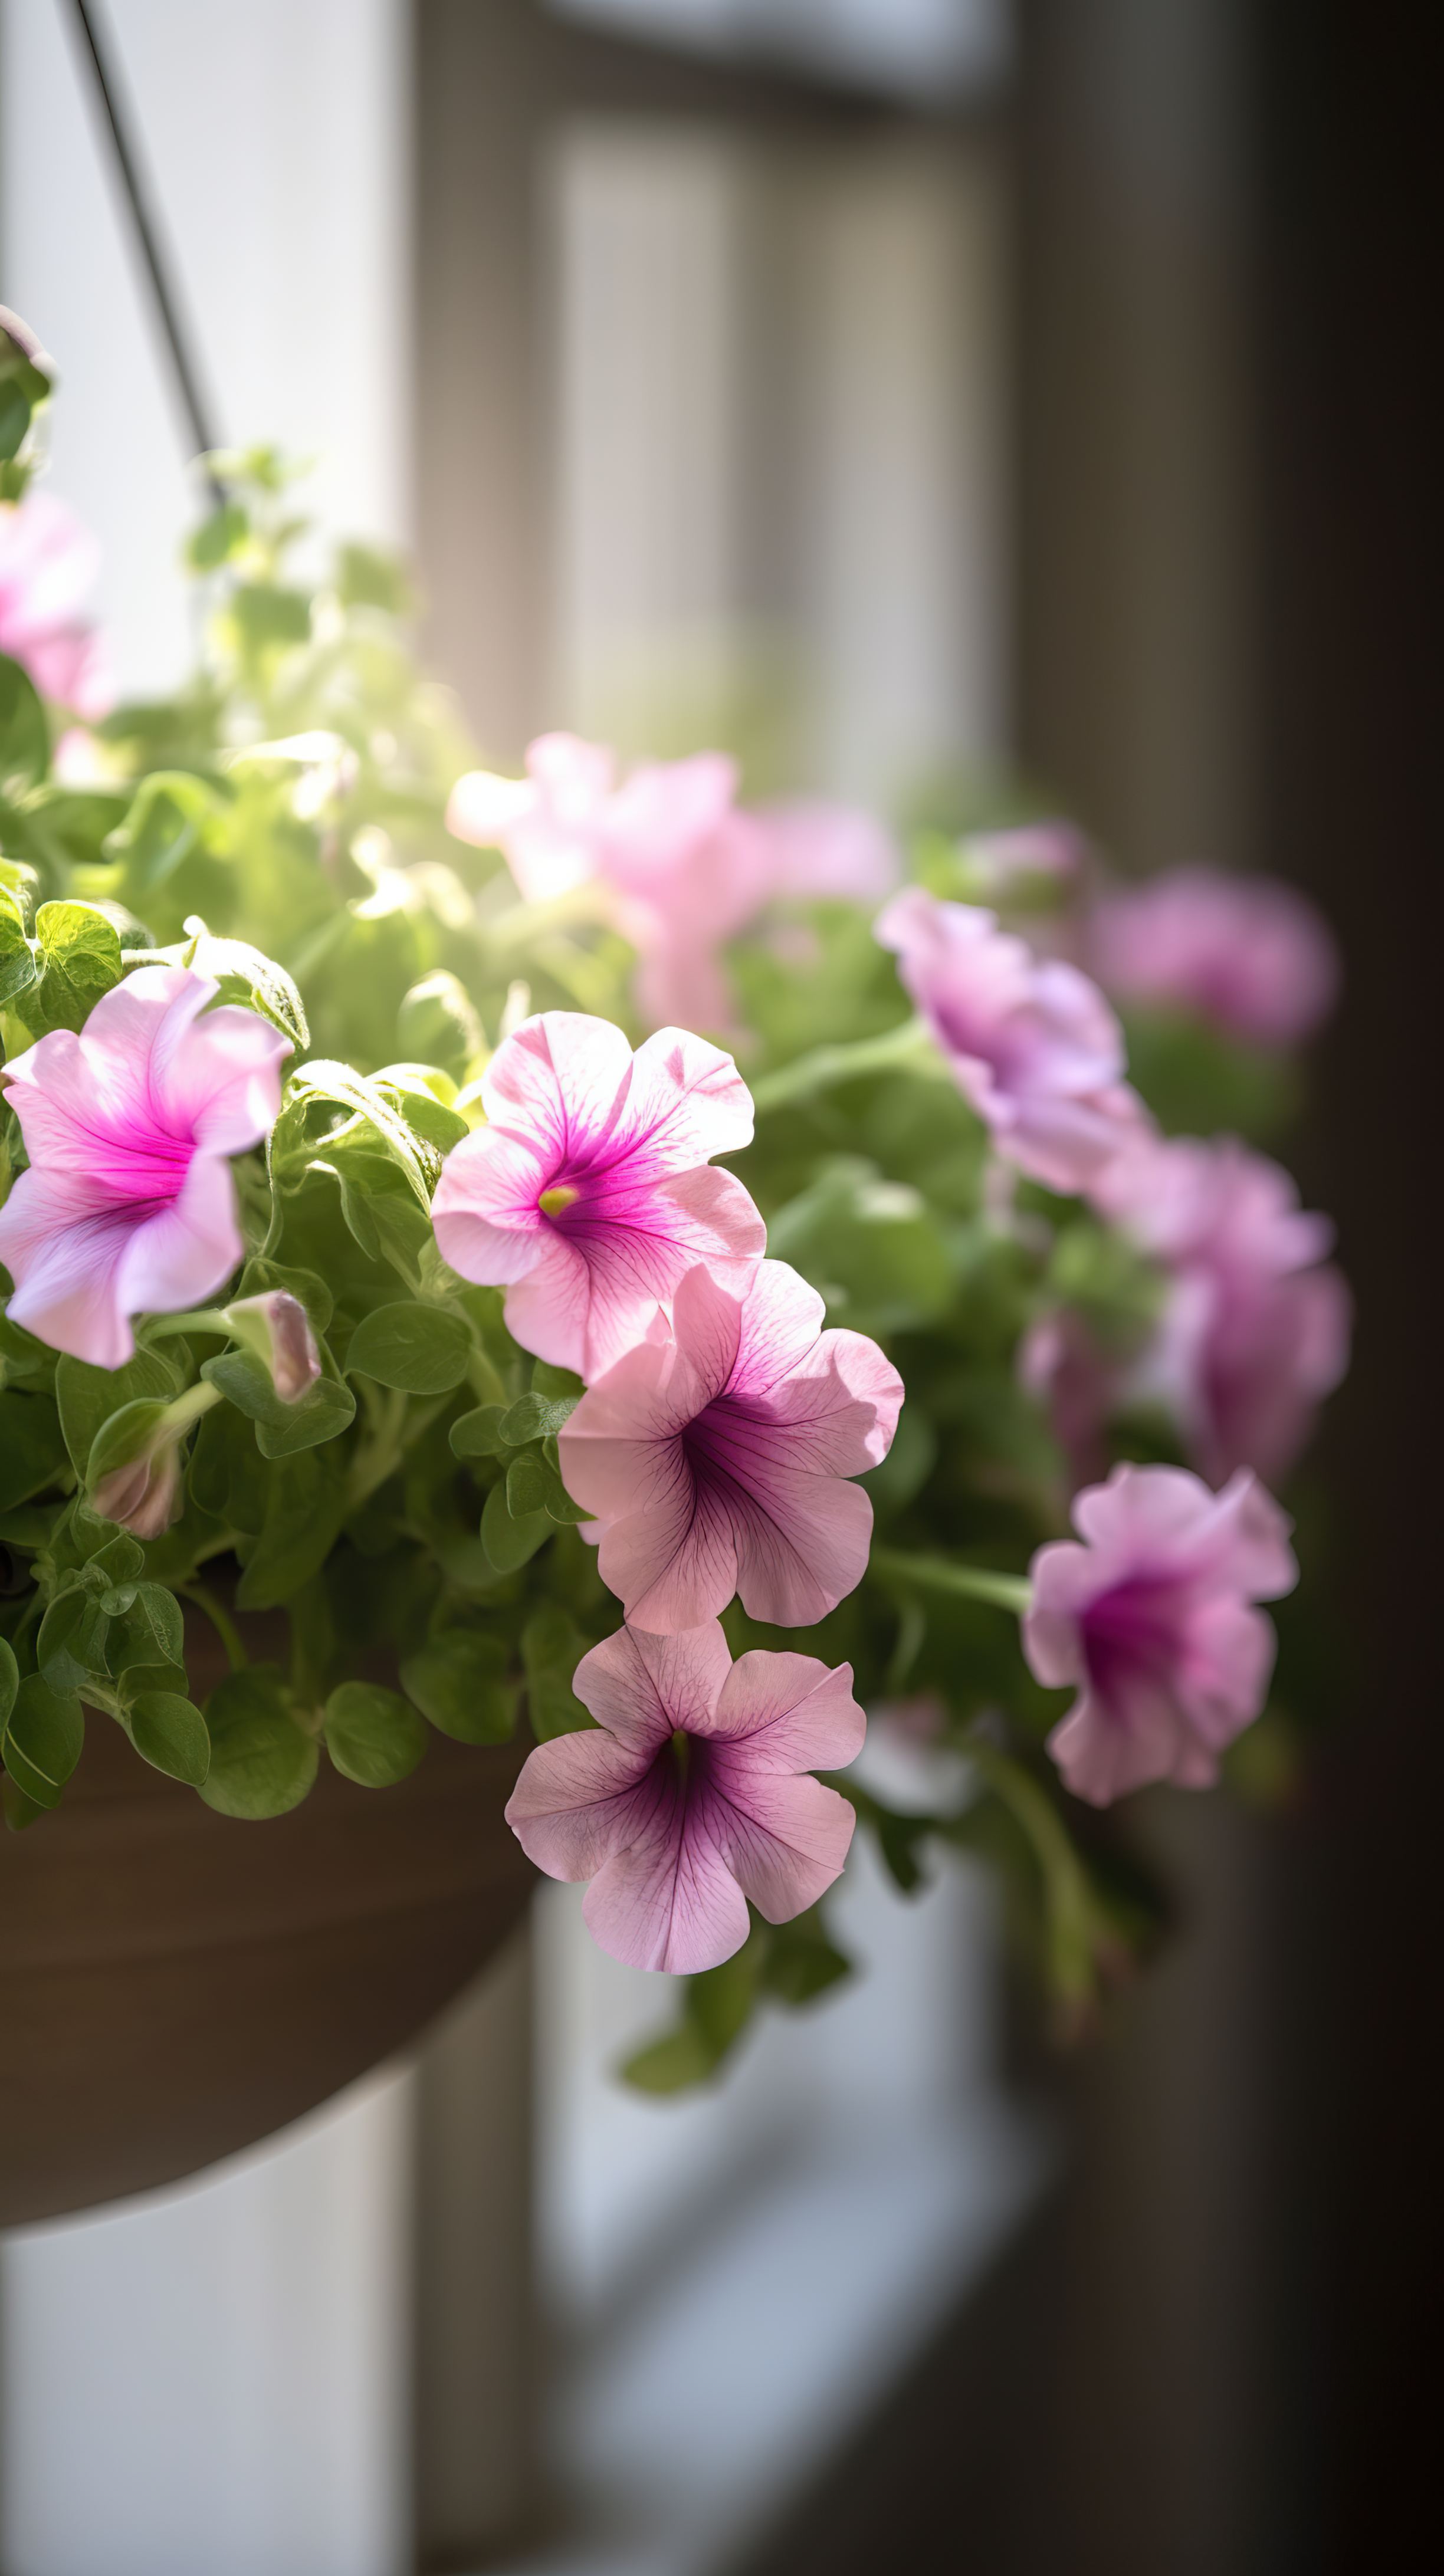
(1032, 1044)
(715, 1456)
(1255, 1332)
(48, 562)
(1247, 953)
(128, 1206)
(692, 1794)
(1151, 1617)
(588, 1193)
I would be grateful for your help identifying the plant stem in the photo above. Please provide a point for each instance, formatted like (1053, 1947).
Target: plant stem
(200, 1319)
(221, 1620)
(911, 1043)
(939, 1574)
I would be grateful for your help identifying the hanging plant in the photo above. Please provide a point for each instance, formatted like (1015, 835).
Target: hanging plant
(600, 1266)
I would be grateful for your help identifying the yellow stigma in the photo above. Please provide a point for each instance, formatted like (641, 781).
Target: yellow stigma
(556, 1202)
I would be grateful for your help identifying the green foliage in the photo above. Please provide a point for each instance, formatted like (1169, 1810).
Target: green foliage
(262, 1763)
(373, 1735)
(279, 826)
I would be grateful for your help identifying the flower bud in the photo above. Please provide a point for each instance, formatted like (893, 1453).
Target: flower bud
(277, 1328)
(143, 1496)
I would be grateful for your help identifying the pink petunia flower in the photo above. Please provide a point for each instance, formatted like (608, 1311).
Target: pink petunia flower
(715, 1456)
(1256, 1330)
(687, 866)
(588, 1193)
(692, 1795)
(128, 1206)
(1247, 953)
(1032, 1044)
(1151, 1616)
(48, 562)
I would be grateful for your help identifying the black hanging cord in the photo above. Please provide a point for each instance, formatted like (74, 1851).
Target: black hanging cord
(198, 419)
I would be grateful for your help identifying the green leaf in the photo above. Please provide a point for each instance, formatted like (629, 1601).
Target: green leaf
(547, 1380)
(510, 1543)
(24, 738)
(424, 1350)
(478, 1434)
(17, 958)
(437, 1024)
(170, 1734)
(551, 1648)
(459, 1680)
(716, 2008)
(72, 1640)
(262, 1763)
(526, 1485)
(536, 1417)
(282, 1429)
(374, 1736)
(151, 1631)
(9, 1681)
(80, 960)
(44, 1739)
(32, 1449)
(220, 535)
(802, 1962)
(305, 1503)
(248, 976)
(366, 578)
(173, 816)
(88, 1397)
(264, 615)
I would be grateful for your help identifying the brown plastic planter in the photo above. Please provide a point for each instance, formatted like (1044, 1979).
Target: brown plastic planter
(177, 1984)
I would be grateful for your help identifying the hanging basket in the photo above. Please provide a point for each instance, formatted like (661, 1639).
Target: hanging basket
(178, 1984)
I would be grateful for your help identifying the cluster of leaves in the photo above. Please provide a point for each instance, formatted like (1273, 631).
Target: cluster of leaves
(405, 1528)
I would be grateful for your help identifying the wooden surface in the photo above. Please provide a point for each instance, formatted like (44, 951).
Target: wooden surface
(177, 1984)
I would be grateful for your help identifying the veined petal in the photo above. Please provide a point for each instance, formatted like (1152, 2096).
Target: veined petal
(643, 1686)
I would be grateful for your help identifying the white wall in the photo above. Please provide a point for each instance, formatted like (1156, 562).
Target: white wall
(216, 2379)
(277, 135)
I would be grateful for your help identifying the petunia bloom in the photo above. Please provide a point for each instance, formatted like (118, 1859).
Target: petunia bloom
(1152, 1617)
(687, 867)
(692, 1794)
(48, 562)
(1032, 1043)
(588, 1194)
(1255, 1332)
(1247, 953)
(715, 1456)
(128, 1206)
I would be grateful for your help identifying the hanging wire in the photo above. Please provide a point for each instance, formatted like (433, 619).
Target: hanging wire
(200, 421)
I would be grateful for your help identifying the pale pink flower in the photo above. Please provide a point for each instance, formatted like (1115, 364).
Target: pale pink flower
(1247, 953)
(1151, 1616)
(48, 562)
(687, 867)
(1256, 1329)
(588, 1194)
(692, 1794)
(1063, 1364)
(128, 1206)
(1032, 1043)
(715, 1456)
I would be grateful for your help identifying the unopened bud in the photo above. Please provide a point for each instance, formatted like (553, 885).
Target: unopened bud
(144, 1496)
(277, 1328)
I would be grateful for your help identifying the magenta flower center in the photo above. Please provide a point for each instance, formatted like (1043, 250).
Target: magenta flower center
(1132, 1634)
(143, 1166)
